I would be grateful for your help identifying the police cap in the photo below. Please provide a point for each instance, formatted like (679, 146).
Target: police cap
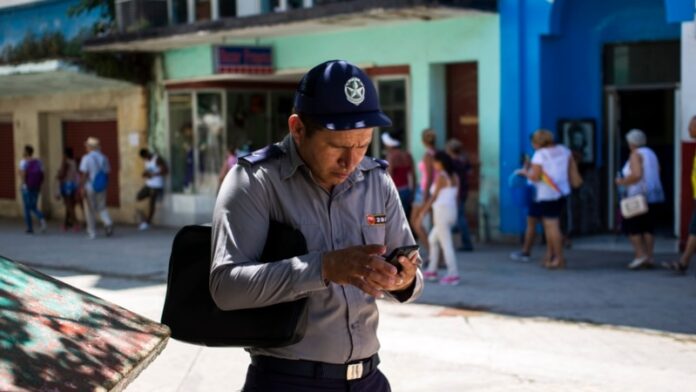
(339, 96)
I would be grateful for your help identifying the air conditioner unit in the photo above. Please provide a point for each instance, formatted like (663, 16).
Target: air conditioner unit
(132, 15)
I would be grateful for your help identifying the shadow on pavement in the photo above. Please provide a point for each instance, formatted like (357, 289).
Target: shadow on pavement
(596, 288)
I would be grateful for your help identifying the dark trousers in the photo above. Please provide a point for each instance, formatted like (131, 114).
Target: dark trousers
(30, 198)
(259, 380)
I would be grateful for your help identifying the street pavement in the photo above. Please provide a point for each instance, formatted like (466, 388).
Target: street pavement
(507, 326)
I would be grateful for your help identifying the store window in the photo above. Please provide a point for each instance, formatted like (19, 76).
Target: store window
(181, 142)
(393, 100)
(248, 128)
(204, 124)
(210, 141)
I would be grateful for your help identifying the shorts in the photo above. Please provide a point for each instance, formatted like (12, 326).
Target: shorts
(418, 197)
(692, 225)
(641, 224)
(68, 188)
(546, 208)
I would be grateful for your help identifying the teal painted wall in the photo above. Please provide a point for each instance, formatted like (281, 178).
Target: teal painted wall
(191, 62)
(423, 45)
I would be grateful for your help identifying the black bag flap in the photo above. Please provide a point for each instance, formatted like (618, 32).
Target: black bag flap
(191, 313)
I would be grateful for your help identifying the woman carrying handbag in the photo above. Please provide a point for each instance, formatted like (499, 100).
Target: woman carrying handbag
(641, 179)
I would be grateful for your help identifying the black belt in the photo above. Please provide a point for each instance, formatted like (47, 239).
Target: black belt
(350, 371)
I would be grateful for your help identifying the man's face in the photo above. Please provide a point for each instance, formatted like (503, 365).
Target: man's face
(332, 156)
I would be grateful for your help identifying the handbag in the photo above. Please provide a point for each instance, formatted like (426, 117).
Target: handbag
(191, 314)
(633, 206)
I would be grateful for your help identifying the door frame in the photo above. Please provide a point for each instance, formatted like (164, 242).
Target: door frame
(612, 119)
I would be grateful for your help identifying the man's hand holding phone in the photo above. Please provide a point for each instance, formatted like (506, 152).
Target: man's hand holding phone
(363, 267)
(406, 259)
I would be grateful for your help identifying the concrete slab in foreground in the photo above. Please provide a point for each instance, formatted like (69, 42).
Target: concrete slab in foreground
(54, 337)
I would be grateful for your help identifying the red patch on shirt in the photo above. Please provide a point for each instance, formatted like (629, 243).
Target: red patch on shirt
(376, 219)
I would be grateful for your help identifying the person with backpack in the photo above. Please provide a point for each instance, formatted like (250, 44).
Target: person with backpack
(95, 169)
(31, 172)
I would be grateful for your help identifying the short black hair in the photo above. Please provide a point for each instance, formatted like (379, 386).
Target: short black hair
(144, 153)
(446, 161)
(68, 151)
(29, 150)
(311, 125)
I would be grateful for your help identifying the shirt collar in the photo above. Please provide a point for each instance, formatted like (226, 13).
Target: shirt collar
(292, 160)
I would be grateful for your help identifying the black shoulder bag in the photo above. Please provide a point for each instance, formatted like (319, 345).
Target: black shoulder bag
(193, 317)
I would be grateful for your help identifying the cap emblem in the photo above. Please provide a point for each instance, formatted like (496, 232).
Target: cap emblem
(355, 91)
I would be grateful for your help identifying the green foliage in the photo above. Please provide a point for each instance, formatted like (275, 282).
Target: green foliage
(108, 8)
(133, 67)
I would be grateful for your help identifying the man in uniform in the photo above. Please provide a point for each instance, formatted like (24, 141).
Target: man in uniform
(319, 181)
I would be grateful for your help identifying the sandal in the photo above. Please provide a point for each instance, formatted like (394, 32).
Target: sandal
(555, 263)
(675, 266)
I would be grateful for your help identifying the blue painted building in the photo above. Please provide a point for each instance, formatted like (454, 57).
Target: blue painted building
(607, 66)
(18, 17)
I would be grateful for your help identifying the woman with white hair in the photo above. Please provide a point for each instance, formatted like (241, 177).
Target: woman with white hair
(641, 175)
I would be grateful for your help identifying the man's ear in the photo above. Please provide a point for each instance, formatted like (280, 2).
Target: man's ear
(692, 127)
(297, 129)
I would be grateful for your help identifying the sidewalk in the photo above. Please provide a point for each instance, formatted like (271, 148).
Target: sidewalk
(596, 287)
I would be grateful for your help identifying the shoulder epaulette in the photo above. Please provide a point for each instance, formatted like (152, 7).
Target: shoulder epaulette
(382, 163)
(262, 155)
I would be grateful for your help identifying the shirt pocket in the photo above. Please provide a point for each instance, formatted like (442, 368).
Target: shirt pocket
(373, 234)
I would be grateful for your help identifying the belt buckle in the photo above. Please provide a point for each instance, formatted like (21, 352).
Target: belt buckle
(354, 371)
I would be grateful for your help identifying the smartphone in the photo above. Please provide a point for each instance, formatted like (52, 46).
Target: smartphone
(393, 257)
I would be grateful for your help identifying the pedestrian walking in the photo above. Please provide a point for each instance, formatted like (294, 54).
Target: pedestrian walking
(95, 169)
(443, 200)
(641, 176)
(31, 173)
(462, 167)
(401, 170)
(681, 266)
(525, 193)
(152, 191)
(68, 181)
(550, 171)
(427, 177)
(319, 181)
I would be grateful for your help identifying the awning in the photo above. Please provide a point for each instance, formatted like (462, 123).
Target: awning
(325, 18)
(51, 77)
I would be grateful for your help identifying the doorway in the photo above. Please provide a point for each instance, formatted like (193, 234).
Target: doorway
(74, 135)
(651, 109)
(463, 125)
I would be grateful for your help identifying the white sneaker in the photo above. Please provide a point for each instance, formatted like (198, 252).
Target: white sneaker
(91, 236)
(143, 226)
(520, 256)
(638, 263)
(44, 226)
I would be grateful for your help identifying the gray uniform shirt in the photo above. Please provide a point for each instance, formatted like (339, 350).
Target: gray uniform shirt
(365, 209)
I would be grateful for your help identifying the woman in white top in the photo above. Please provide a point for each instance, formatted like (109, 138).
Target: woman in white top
(443, 200)
(641, 175)
(551, 171)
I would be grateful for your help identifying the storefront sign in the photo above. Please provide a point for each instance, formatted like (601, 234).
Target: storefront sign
(243, 59)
